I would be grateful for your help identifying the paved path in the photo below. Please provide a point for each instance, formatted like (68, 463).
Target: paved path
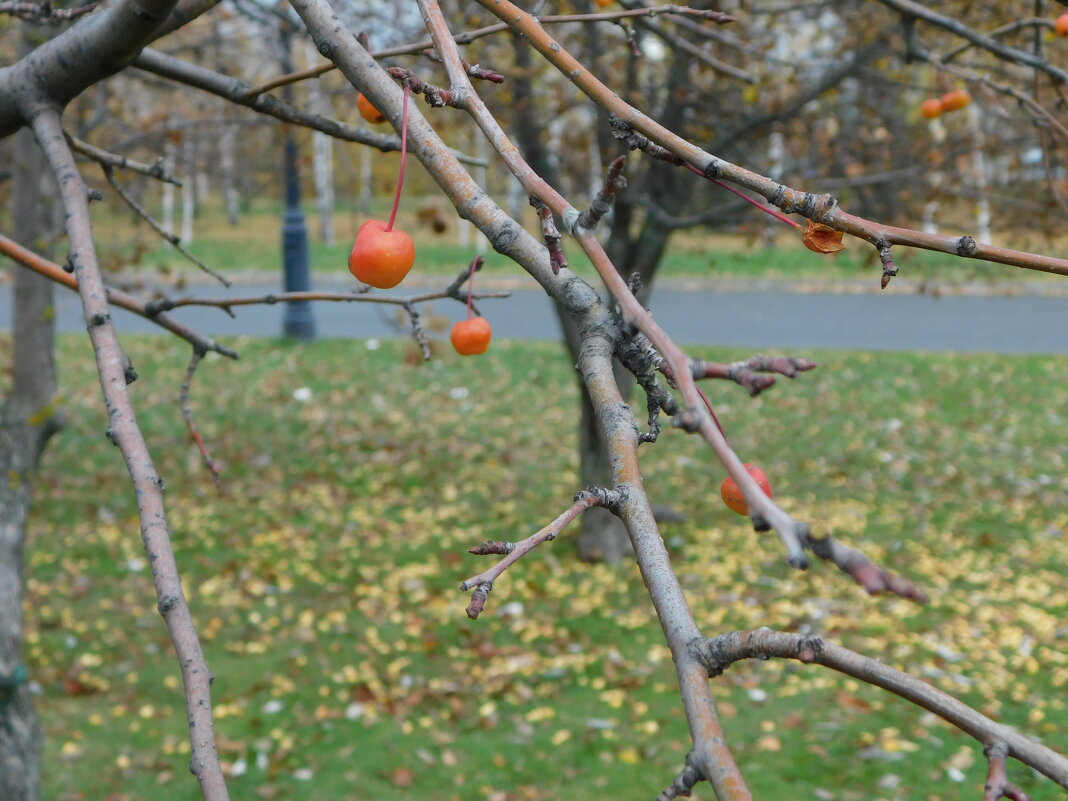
(757, 319)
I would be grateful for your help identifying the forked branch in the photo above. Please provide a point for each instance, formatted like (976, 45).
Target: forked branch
(719, 653)
(753, 372)
(514, 551)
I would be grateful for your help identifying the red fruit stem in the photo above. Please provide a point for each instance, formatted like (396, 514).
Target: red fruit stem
(404, 159)
(471, 286)
(746, 198)
(711, 411)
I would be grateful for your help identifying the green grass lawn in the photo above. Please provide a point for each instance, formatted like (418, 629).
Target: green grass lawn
(255, 244)
(324, 579)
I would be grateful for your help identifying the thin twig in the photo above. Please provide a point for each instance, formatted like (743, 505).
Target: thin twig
(157, 170)
(752, 373)
(818, 208)
(53, 272)
(602, 203)
(470, 36)
(359, 296)
(44, 11)
(226, 87)
(483, 582)
(417, 330)
(435, 95)
(187, 413)
(997, 782)
(172, 239)
(551, 234)
(465, 275)
(684, 783)
(1031, 22)
(873, 578)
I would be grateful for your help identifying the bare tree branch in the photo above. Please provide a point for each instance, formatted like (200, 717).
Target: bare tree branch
(44, 11)
(719, 653)
(818, 208)
(237, 92)
(157, 170)
(909, 8)
(764, 512)
(514, 551)
(123, 300)
(187, 413)
(751, 373)
(94, 48)
(124, 431)
(470, 36)
(997, 783)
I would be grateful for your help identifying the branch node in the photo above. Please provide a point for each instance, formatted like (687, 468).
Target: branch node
(684, 782)
(887, 259)
(809, 649)
(494, 547)
(713, 170)
(602, 202)
(689, 421)
(436, 97)
(551, 234)
(478, 600)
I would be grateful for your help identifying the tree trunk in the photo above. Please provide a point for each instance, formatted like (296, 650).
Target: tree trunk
(28, 416)
(322, 160)
(227, 166)
(189, 195)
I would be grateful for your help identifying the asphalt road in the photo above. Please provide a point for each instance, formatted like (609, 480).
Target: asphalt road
(758, 319)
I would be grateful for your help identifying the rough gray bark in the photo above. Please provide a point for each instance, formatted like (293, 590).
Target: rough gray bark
(28, 417)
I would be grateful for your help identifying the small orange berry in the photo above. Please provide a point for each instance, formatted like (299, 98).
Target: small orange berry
(379, 257)
(931, 108)
(1061, 25)
(732, 493)
(471, 336)
(368, 111)
(955, 100)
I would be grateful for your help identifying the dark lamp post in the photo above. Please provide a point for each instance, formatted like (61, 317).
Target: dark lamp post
(297, 319)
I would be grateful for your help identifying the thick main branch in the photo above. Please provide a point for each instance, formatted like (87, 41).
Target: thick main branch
(92, 49)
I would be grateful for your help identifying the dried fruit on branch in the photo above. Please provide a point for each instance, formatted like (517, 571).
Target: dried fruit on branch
(822, 238)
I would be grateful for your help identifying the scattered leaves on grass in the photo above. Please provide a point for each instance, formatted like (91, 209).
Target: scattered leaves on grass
(323, 581)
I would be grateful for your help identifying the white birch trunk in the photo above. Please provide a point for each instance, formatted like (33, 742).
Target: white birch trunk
(366, 180)
(231, 198)
(981, 176)
(189, 201)
(322, 161)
